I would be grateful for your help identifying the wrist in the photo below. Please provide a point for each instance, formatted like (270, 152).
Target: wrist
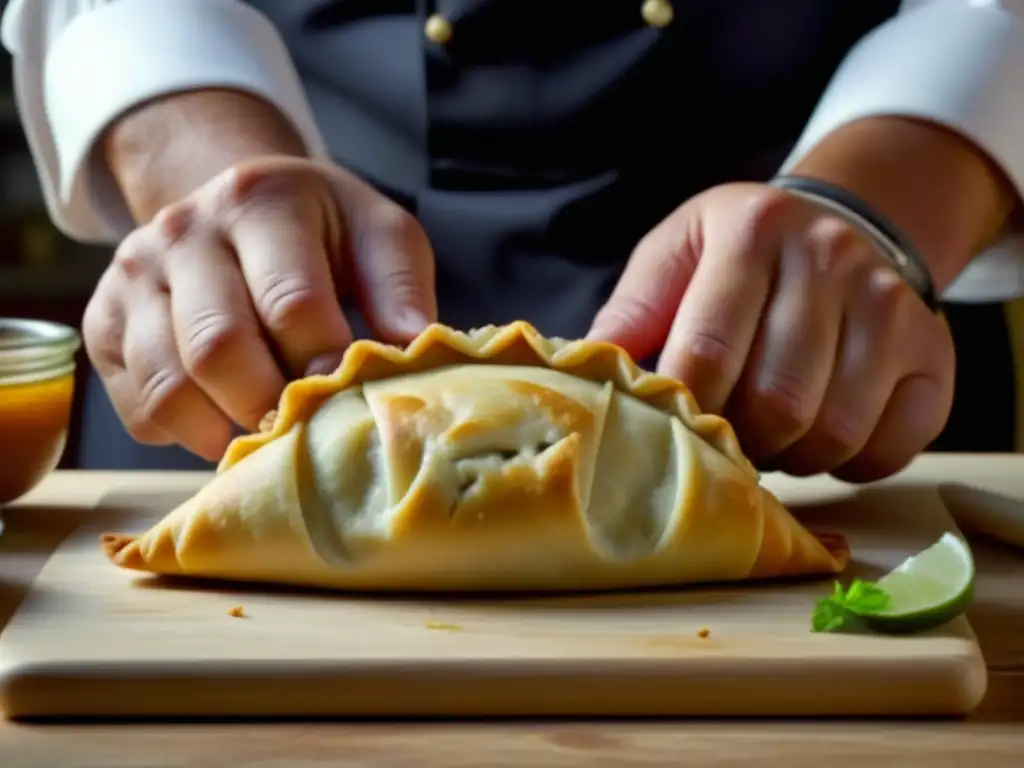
(164, 149)
(945, 195)
(887, 239)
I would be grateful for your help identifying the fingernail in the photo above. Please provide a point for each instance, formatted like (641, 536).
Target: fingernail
(411, 322)
(602, 330)
(322, 365)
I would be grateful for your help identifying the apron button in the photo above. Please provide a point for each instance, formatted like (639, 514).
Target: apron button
(657, 13)
(438, 29)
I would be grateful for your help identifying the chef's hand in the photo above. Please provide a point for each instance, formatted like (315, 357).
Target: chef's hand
(784, 319)
(205, 311)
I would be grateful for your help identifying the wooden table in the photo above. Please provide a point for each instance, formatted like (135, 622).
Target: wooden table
(994, 736)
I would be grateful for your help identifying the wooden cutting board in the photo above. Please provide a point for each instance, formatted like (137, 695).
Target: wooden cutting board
(992, 511)
(93, 640)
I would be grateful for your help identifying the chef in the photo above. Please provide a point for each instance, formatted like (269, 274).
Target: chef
(764, 198)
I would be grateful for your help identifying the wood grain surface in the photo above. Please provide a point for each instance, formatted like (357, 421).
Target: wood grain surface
(993, 735)
(162, 648)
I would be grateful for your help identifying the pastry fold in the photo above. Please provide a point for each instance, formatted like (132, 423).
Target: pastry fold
(493, 460)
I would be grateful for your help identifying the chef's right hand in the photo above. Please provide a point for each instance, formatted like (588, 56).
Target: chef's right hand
(207, 310)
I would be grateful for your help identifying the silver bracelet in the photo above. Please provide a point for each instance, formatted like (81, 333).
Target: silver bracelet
(895, 247)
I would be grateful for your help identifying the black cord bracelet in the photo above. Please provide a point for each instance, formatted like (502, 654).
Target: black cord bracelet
(891, 243)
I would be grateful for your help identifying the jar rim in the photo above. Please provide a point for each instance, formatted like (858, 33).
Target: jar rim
(29, 347)
(19, 333)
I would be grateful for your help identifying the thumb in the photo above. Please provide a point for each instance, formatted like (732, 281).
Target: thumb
(392, 261)
(394, 269)
(639, 313)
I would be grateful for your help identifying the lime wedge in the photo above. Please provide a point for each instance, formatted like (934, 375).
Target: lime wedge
(927, 590)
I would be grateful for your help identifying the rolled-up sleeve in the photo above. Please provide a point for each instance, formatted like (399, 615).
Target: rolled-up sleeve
(80, 64)
(958, 63)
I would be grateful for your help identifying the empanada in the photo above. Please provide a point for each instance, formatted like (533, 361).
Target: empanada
(493, 460)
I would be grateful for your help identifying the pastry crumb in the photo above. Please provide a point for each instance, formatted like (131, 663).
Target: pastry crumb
(237, 612)
(444, 626)
(703, 633)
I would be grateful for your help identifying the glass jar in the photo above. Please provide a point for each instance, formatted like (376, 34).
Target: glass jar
(37, 384)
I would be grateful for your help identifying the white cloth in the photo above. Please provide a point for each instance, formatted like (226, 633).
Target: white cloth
(79, 64)
(959, 63)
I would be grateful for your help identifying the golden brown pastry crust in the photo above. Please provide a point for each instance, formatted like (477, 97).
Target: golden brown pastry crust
(497, 459)
(517, 343)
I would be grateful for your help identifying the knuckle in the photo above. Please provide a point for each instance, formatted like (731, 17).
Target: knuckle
(393, 218)
(286, 301)
(764, 212)
(158, 392)
(708, 352)
(784, 399)
(628, 310)
(209, 337)
(841, 434)
(134, 257)
(888, 294)
(829, 243)
(174, 223)
(258, 194)
(255, 185)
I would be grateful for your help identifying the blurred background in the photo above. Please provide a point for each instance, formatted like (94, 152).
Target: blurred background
(43, 274)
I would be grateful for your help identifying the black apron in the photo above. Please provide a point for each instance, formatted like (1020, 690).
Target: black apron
(541, 141)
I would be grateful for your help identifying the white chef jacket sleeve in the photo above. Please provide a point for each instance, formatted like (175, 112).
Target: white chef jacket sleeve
(80, 64)
(958, 63)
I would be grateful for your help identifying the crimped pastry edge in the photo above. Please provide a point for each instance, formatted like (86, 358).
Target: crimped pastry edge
(517, 343)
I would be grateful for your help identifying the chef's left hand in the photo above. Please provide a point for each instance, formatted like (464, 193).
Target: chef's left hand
(785, 320)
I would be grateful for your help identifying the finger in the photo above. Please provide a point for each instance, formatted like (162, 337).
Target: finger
(787, 374)
(904, 430)
(869, 368)
(102, 335)
(217, 333)
(918, 408)
(280, 233)
(123, 394)
(862, 381)
(103, 327)
(717, 321)
(640, 310)
(394, 267)
(103, 323)
(391, 256)
(165, 395)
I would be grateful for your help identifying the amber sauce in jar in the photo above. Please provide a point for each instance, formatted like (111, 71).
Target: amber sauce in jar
(37, 384)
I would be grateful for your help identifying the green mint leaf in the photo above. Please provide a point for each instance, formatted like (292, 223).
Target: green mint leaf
(829, 615)
(866, 597)
(835, 623)
(854, 592)
(841, 607)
